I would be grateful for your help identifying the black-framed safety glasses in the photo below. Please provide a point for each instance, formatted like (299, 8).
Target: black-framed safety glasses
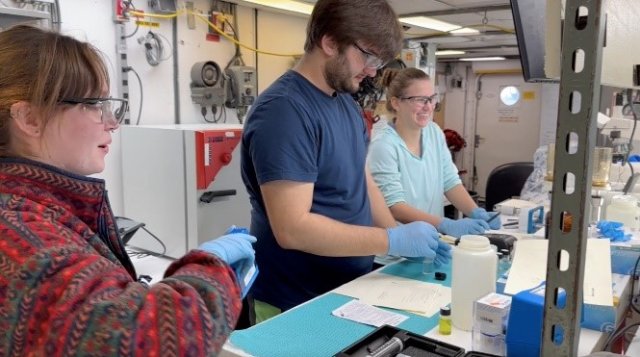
(422, 99)
(371, 60)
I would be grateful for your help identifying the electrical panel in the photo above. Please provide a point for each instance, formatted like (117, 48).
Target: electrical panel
(163, 6)
(242, 88)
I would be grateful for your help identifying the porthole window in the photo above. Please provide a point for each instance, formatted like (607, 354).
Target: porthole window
(509, 95)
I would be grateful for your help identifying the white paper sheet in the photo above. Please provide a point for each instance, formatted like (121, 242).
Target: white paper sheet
(529, 269)
(360, 312)
(395, 292)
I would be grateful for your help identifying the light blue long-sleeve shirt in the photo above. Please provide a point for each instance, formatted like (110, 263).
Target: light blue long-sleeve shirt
(404, 177)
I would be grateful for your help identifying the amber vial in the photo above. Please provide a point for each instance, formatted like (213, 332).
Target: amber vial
(444, 325)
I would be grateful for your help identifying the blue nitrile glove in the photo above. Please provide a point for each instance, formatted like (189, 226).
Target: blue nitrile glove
(481, 213)
(235, 249)
(443, 254)
(613, 230)
(460, 227)
(415, 239)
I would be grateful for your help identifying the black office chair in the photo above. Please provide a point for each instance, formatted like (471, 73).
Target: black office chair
(506, 181)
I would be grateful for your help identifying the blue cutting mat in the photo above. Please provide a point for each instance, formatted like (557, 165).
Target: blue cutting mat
(413, 270)
(311, 330)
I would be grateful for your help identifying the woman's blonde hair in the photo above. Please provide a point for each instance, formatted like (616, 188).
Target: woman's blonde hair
(44, 67)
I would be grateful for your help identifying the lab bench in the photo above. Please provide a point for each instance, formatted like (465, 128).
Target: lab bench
(311, 330)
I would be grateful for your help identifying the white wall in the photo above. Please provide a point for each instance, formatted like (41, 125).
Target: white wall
(455, 106)
(92, 21)
(550, 96)
(460, 107)
(282, 34)
(87, 21)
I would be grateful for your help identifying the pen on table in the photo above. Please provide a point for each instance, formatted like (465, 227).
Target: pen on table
(493, 217)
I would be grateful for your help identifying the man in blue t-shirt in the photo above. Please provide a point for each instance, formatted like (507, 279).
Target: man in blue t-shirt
(318, 215)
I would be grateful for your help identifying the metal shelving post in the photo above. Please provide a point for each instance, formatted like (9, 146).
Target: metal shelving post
(583, 37)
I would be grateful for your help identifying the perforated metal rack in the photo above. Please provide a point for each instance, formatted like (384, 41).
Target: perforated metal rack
(583, 36)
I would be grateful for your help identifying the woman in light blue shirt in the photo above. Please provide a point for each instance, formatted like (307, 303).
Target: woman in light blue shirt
(412, 165)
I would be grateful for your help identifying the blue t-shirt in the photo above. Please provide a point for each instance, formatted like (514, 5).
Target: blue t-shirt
(296, 132)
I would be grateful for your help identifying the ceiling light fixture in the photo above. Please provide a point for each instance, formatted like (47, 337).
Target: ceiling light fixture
(433, 24)
(495, 58)
(449, 53)
(287, 5)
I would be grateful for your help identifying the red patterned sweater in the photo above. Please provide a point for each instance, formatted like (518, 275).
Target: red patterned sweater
(68, 288)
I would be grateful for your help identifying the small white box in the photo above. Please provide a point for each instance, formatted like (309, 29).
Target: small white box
(490, 315)
(512, 206)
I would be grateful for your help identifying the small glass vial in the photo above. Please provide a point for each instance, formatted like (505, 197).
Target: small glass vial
(504, 262)
(444, 325)
(428, 266)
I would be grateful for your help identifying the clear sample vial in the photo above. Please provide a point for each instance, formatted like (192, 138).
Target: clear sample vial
(504, 262)
(428, 267)
(444, 325)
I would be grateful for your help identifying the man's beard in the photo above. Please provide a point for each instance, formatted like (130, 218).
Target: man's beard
(338, 75)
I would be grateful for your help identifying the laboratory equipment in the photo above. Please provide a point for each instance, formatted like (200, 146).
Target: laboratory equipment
(596, 208)
(620, 147)
(512, 206)
(524, 332)
(242, 87)
(504, 263)
(474, 269)
(207, 84)
(531, 219)
(490, 315)
(389, 348)
(163, 6)
(427, 267)
(601, 157)
(399, 342)
(551, 154)
(504, 242)
(601, 166)
(444, 324)
(440, 276)
(625, 209)
(184, 182)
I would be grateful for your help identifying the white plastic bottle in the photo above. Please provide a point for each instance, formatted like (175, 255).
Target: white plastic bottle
(474, 271)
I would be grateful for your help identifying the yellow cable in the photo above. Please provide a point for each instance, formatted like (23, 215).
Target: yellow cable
(216, 28)
(230, 38)
(160, 16)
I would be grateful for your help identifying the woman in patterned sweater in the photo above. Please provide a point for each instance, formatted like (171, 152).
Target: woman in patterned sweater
(67, 286)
